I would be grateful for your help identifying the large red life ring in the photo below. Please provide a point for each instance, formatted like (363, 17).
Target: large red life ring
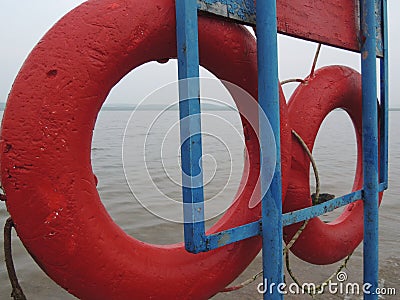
(328, 89)
(46, 143)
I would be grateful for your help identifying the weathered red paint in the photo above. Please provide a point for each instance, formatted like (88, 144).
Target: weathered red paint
(329, 88)
(46, 144)
(330, 22)
(333, 22)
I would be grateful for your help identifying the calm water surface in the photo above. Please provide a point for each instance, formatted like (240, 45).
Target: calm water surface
(142, 196)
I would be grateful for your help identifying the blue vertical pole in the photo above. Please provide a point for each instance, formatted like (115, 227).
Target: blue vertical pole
(190, 124)
(370, 145)
(268, 95)
(384, 73)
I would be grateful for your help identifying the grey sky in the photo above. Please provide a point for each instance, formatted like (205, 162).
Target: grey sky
(24, 22)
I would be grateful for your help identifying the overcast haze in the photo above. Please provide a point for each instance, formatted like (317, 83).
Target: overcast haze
(24, 22)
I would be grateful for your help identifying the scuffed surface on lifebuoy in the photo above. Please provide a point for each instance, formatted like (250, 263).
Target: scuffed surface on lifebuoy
(45, 161)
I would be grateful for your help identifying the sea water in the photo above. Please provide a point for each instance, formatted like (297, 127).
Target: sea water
(143, 196)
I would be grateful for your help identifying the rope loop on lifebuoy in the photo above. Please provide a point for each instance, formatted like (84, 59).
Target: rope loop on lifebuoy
(17, 292)
(327, 89)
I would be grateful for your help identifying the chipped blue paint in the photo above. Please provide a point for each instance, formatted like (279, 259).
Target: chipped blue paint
(379, 27)
(232, 235)
(370, 145)
(190, 125)
(268, 99)
(240, 11)
(374, 29)
(320, 209)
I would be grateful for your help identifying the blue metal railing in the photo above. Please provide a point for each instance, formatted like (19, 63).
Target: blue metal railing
(190, 130)
(370, 143)
(268, 99)
(270, 225)
(384, 85)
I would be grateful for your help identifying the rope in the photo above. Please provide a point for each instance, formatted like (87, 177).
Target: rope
(293, 80)
(315, 59)
(319, 288)
(312, 69)
(296, 236)
(17, 292)
(314, 165)
(317, 191)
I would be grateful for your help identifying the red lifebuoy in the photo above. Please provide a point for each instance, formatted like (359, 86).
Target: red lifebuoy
(330, 88)
(45, 158)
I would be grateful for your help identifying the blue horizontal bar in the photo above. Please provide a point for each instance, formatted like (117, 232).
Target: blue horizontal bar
(320, 209)
(243, 11)
(232, 235)
(229, 236)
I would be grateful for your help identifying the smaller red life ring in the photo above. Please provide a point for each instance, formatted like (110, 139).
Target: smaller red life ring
(330, 88)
